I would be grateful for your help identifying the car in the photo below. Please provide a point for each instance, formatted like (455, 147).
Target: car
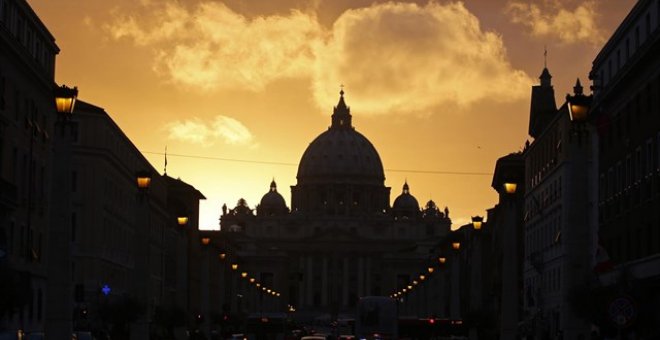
(315, 337)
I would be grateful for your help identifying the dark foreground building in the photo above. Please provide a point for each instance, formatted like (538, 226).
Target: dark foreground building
(626, 114)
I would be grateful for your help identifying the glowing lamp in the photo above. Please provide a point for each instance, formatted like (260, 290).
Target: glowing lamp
(182, 220)
(456, 245)
(252, 280)
(65, 100)
(206, 241)
(222, 256)
(234, 266)
(477, 221)
(430, 269)
(143, 180)
(422, 277)
(244, 274)
(442, 259)
(510, 188)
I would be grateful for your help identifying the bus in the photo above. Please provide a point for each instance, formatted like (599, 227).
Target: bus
(376, 318)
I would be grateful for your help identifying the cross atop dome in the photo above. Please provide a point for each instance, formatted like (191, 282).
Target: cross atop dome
(341, 116)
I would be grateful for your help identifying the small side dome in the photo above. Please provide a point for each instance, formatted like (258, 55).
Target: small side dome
(272, 203)
(405, 205)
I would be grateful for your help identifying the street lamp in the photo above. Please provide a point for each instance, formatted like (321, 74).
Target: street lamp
(182, 221)
(59, 316)
(477, 221)
(206, 241)
(510, 187)
(234, 266)
(430, 269)
(578, 104)
(252, 280)
(422, 277)
(143, 179)
(442, 259)
(222, 255)
(244, 274)
(456, 245)
(65, 100)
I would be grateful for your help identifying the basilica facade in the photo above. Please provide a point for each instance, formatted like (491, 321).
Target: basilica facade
(339, 240)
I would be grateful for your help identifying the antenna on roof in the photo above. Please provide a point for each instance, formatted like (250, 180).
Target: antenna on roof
(165, 169)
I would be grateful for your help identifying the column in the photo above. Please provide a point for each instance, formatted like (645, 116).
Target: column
(476, 285)
(59, 299)
(309, 300)
(510, 289)
(142, 268)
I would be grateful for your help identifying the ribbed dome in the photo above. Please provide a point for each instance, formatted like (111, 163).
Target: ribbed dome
(341, 154)
(405, 202)
(272, 203)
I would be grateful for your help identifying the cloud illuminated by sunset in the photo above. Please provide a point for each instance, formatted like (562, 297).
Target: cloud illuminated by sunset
(554, 20)
(196, 131)
(394, 57)
(409, 58)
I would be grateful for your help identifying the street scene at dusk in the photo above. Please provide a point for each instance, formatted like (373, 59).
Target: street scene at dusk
(309, 170)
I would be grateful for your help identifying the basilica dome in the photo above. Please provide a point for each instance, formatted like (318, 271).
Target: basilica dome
(341, 154)
(272, 203)
(340, 172)
(405, 205)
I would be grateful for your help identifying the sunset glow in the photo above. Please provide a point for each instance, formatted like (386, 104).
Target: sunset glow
(236, 90)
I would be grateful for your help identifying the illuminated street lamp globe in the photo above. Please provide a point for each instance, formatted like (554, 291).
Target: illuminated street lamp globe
(65, 100)
(477, 222)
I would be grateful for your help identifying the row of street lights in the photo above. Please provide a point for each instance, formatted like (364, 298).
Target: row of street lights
(510, 188)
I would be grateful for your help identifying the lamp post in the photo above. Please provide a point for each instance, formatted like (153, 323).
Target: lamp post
(578, 231)
(476, 282)
(142, 265)
(58, 323)
(455, 300)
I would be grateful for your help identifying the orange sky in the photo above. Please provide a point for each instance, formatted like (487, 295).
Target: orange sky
(439, 86)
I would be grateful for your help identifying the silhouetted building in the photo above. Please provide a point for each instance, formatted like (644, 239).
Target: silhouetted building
(27, 113)
(626, 113)
(341, 240)
(543, 106)
(559, 223)
(109, 214)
